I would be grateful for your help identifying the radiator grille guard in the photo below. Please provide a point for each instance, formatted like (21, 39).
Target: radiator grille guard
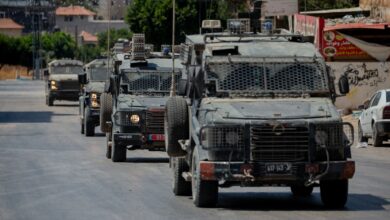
(268, 75)
(278, 142)
(149, 81)
(155, 121)
(68, 85)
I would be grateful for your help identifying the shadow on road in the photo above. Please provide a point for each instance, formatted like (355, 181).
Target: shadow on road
(65, 105)
(287, 202)
(147, 160)
(25, 117)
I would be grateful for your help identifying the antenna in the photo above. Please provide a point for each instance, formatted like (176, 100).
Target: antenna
(108, 35)
(173, 83)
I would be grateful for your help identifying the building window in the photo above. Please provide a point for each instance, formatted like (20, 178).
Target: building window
(2, 14)
(68, 18)
(82, 17)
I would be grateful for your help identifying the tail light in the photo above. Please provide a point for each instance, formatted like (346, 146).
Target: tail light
(386, 112)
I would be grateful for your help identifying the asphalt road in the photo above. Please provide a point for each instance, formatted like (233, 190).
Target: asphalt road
(49, 171)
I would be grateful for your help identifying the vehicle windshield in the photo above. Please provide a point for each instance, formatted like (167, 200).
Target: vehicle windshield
(66, 70)
(268, 77)
(388, 96)
(99, 73)
(148, 81)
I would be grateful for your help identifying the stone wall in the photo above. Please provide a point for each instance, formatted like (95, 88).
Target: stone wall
(379, 8)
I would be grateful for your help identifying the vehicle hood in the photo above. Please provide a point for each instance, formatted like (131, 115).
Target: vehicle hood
(63, 77)
(132, 101)
(214, 109)
(95, 87)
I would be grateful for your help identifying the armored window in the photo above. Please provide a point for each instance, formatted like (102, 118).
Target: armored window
(148, 81)
(66, 70)
(388, 96)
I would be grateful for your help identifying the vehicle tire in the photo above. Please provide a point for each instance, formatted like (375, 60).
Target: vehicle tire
(89, 126)
(334, 193)
(301, 190)
(82, 126)
(360, 133)
(180, 186)
(105, 111)
(118, 152)
(49, 100)
(176, 126)
(377, 141)
(108, 145)
(204, 193)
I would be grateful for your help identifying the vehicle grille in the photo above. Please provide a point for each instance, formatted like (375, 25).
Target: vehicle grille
(155, 121)
(69, 85)
(287, 144)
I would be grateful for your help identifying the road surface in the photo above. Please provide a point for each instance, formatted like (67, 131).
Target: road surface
(49, 171)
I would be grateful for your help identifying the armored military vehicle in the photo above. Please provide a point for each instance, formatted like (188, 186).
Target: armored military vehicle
(257, 110)
(61, 80)
(134, 106)
(96, 73)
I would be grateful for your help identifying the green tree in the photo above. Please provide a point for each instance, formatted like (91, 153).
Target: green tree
(114, 36)
(154, 18)
(313, 5)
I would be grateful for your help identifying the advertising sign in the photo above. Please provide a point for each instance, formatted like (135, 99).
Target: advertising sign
(310, 26)
(279, 7)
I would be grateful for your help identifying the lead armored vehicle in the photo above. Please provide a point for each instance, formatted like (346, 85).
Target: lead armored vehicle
(257, 110)
(135, 103)
(62, 81)
(96, 73)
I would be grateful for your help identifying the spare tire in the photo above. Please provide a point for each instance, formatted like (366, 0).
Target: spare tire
(105, 111)
(176, 125)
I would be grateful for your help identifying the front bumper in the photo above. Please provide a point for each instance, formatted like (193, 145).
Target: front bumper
(139, 139)
(383, 127)
(69, 95)
(256, 172)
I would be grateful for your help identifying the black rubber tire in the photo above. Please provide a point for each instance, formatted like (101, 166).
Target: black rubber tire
(82, 126)
(377, 141)
(360, 133)
(89, 126)
(204, 193)
(301, 190)
(180, 186)
(176, 126)
(334, 193)
(108, 145)
(118, 152)
(105, 111)
(49, 100)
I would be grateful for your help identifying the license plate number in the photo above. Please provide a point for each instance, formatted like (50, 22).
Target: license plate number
(278, 168)
(156, 137)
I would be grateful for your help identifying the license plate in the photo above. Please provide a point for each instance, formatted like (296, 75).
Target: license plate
(156, 137)
(278, 168)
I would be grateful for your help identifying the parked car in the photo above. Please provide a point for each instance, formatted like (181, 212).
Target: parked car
(374, 122)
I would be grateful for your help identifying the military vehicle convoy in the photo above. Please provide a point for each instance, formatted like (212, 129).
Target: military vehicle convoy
(132, 112)
(257, 110)
(62, 80)
(95, 74)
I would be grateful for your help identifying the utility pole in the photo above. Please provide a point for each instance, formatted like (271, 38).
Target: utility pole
(36, 11)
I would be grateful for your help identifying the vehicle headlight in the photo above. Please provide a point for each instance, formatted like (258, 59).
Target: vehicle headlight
(321, 138)
(134, 119)
(94, 96)
(53, 83)
(53, 87)
(94, 104)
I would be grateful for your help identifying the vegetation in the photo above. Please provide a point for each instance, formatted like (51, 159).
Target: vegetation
(313, 5)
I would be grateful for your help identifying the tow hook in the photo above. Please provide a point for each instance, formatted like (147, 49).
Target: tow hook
(247, 176)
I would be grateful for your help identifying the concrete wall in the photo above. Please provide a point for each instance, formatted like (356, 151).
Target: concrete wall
(87, 24)
(379, 8)
(364, 77)
(11, 32)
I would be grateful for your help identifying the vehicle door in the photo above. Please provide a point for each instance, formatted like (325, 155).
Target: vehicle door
(372, 109)
(366, 116)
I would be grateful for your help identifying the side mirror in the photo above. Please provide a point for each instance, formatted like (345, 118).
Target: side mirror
(46, 73)
(82, 78)
(117, 64)
(343, 85)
